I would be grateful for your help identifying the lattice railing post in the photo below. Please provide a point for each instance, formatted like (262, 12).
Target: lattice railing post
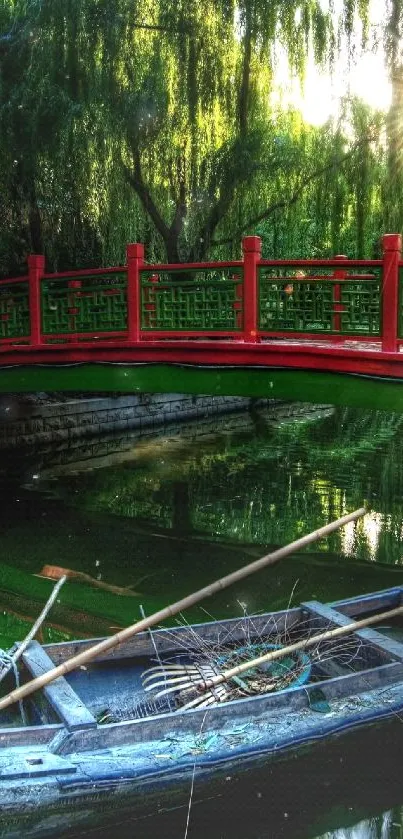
(36, 270)
(392, 246)
(252, 250)
(135, 260)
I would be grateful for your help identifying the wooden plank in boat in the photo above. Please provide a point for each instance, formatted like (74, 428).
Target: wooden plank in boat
(34, 764)
(168, 639)
(392, 648)
(33, 735)
(390, 598)
(64, 700)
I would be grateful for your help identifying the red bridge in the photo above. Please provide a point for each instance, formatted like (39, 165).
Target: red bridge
(256, 326)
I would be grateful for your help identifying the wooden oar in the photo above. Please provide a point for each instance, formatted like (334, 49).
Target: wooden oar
(174, 609)
(205, 685)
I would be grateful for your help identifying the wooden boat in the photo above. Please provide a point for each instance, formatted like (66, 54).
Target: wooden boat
(93, 739)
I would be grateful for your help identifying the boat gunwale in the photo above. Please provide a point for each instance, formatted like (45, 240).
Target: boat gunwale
(141, 643)
(165, 638)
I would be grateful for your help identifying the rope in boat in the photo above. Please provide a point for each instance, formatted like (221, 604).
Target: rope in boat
(8, 663)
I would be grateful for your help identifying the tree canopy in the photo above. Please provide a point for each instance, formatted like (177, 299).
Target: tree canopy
(155, 121)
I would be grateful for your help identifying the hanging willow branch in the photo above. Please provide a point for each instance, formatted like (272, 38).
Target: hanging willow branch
(292, 199)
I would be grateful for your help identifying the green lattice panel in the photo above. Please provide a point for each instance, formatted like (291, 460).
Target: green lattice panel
(361, 301)
(192, 300)
(98, 304)
(14, 310)
(288, 303)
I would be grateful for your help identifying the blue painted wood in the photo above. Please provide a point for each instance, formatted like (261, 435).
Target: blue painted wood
(286, 704)
(64, 700)
(389, 598)
(34, 763)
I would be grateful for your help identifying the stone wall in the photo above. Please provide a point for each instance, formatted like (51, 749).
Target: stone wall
(112, 448)
(68, 420)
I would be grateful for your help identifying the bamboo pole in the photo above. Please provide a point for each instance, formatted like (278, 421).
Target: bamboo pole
(174, 609)
(329, 635)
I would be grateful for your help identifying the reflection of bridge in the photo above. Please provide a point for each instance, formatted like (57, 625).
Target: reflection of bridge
(241, 327)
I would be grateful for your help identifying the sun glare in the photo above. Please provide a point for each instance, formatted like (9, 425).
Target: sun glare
(322, 94)
(366, 78)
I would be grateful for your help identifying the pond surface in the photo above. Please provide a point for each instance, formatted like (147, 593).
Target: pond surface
(146, 520)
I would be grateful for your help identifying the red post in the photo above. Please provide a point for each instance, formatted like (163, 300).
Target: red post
(252, 251)
(135, 260)
(338, 274)
(392, 246)
(36, 269)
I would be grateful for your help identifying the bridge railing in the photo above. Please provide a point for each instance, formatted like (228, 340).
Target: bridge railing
(192, 301)
(14, 311)
(80, 306)
(322, 301)
(249, 300)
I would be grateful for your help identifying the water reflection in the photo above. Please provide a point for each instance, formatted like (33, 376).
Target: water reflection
(168, 513)
(265, 487)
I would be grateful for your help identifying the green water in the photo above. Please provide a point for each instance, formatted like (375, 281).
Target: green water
(162, 515)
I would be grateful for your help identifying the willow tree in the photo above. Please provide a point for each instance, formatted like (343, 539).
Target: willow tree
(393, 186)
(155, 117)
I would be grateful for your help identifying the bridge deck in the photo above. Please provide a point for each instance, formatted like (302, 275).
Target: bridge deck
(337, 343)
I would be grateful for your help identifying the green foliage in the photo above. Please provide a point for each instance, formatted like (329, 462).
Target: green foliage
(339, 210)
(155, 124)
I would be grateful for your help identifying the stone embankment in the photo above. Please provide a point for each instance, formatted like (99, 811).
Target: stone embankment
(42, 420)
(111, 449)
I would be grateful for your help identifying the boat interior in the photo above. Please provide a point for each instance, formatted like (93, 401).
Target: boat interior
(114, 689)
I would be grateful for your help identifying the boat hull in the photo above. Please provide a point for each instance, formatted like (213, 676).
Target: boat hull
(69, 766)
